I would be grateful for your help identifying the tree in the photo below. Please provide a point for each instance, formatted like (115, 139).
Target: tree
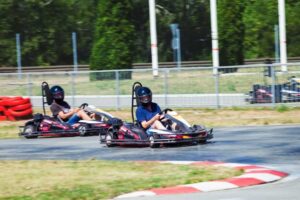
(259, 20)
(231, 33)
(293, 27)
(114, 35)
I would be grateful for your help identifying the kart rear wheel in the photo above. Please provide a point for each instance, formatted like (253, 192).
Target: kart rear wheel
(28, 131)
(82, 129)
(152, 142)
(108, 139)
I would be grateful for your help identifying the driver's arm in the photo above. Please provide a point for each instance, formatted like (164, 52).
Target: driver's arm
(64, 116)
(146, 124)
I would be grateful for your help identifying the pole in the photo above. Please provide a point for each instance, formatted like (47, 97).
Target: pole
(117, 89)
(277, 55)
(74, 45)
(214, 35)
(178, 49)
(19, 61)
(176, 44)
(282, 30)
(153, 35)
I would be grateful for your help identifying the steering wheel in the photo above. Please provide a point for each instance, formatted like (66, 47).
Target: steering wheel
(165, 111)
(82, 106)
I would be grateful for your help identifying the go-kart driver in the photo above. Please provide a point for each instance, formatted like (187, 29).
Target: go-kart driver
(148, 112)
(63, 110)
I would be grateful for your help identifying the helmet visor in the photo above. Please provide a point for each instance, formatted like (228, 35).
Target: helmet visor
(146, 99)
(58, 95)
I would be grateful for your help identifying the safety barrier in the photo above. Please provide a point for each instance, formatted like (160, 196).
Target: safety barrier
(13, 108)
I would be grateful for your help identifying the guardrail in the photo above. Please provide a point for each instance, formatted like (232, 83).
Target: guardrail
(135, 65)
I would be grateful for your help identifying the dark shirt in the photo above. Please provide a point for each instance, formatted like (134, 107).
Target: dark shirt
(143, 114)
(56, 108)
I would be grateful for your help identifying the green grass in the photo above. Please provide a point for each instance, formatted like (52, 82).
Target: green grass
(9, 131)
(93, 179)
(282, 108)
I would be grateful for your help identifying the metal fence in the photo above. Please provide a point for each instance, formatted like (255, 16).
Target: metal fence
(173, 87)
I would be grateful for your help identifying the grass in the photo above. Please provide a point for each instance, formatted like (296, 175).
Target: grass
(93, 179)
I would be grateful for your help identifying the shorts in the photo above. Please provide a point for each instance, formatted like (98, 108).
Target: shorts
(74, 119)
(149, 132)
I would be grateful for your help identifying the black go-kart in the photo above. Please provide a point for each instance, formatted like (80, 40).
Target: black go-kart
(290, 91)
(286, 92)
(43, 125)
(133, 134)
(260, 94)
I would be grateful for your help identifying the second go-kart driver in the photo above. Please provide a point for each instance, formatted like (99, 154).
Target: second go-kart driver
(63, 110)
(148, 112)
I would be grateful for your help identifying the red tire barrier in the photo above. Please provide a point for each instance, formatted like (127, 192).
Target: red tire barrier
(20, 113)
(21, 107)
(12, 108)
(2, 118)
(2, 113)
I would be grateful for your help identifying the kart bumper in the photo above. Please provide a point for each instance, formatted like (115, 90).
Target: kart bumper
(175, 140)
(53, 133)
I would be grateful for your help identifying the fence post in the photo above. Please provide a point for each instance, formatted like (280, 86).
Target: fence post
(117, 89)
(273, 86)
(217, 90)
(29, 85)
(73, 88)
(166, 86)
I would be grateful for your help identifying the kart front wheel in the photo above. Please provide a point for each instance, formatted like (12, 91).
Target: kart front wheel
(82, 129)
(152, 142)
(29, 131)
(108, 139)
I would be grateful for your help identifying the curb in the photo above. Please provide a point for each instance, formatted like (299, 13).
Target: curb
(253, 175)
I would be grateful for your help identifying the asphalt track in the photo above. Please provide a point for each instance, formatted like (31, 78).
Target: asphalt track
(276, 147)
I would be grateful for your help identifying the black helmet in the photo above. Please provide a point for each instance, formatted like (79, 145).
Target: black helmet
(57, 93)
(144, 95)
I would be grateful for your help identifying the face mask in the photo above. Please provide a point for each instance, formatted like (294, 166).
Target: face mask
(59, 101)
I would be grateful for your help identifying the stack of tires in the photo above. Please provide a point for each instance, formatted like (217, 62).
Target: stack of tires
(14, 108)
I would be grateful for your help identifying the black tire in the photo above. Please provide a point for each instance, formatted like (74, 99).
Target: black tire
(202, 141)
(82, 129)
(102, 138)
(108, 139)
(29, 131)
(152, 143)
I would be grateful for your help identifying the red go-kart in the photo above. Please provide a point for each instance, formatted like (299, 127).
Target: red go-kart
(132, 133)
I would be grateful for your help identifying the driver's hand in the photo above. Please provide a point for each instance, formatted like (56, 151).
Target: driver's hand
(157, 116)
(75, 110)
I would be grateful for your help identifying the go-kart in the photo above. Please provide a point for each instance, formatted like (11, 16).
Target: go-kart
(291, 90)
(43, 125)
(286, 92)
(133, 133)
(263, 94)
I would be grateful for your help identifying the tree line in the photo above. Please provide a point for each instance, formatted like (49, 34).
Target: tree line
(113, 34)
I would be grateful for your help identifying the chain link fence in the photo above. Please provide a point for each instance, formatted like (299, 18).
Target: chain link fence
(249, 85)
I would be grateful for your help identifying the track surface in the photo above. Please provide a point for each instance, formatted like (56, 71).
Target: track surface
(272, 146)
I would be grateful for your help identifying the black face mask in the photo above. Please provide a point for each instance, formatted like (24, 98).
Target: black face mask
(146, 104)
(59, 101)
